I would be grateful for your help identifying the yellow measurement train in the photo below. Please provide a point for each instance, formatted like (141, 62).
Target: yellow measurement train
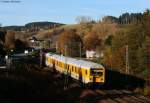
(81, 70)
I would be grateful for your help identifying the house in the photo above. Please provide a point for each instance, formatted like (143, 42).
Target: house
(93, 54)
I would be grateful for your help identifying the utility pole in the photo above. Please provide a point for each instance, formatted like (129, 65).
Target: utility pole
(80, 47)
(127, 59)
(56, 46)
(49, 43)
(41, 54)
(66, 75)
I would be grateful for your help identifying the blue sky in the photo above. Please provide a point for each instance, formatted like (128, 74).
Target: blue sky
(65, 11)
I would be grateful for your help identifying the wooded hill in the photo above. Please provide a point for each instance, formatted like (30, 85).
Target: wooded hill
(33, 26)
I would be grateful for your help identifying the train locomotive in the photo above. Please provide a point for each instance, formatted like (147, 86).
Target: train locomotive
(84, 71)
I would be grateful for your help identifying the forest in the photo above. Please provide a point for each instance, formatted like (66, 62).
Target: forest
(125, 41)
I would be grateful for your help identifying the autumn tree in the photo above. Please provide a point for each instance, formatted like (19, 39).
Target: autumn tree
(118, 50)
(69, 43)
(138, 37)
(146, 22)
(85, 24)
(91, 41)
(2, 41)
(83, 19)
(110, 19)
(10, 40)
(104, 29)
(144, 58)
(108, 40)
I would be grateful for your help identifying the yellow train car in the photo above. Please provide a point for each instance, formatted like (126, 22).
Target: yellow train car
(84, 71)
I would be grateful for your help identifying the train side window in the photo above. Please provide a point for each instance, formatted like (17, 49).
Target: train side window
(72, 68)
(86, 72)
(68, 67)
(76, 70)
(60, 64)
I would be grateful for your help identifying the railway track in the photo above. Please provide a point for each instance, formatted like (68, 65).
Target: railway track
(111, 96)
(100, 96)
(108, 96)
(121, 96)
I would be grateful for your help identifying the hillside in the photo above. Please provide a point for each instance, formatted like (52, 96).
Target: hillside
(33, 26)
(114, 40)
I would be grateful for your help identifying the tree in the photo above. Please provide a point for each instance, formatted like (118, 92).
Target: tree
(108, 41)
(103, 30)
(10, 40)
(136, 36)
(110, 19)
(91, 41)
(146, 22)
(118, 50)
(83, 19)
(19, 45)
(2, 41)
(85, 24)
(132, 18)
(144, 58)
(69, 43)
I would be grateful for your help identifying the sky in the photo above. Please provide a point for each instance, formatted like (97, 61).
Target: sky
(65, 11)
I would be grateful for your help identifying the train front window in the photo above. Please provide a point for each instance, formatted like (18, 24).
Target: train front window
(96, 72)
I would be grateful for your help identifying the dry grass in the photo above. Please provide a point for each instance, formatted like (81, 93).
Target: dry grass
(147, 90)
(138, 90)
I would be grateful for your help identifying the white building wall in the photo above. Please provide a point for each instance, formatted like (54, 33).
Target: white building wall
(93, 54)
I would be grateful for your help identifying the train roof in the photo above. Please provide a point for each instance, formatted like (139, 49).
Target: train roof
(76, 62)
(90, 64)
